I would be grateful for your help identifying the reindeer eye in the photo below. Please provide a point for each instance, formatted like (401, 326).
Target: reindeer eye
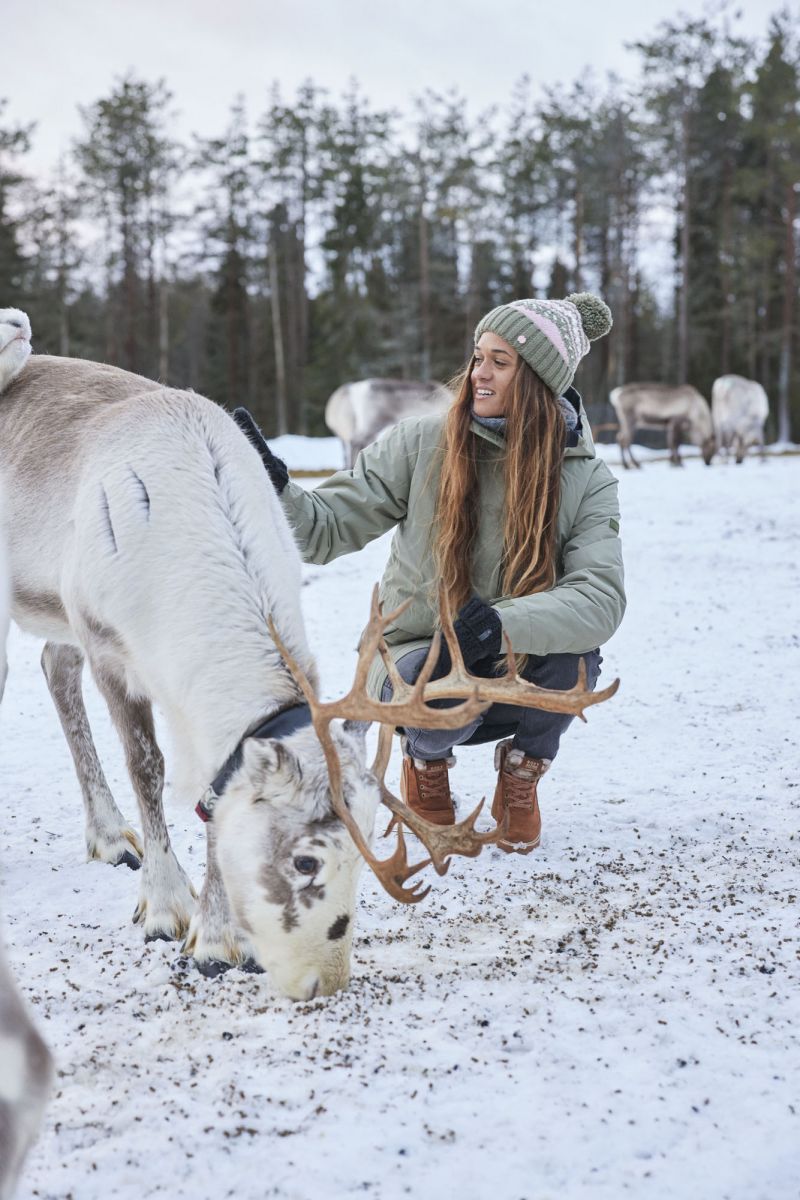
(306, 865)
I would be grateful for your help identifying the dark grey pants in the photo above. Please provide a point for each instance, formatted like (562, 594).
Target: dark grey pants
(535, 732)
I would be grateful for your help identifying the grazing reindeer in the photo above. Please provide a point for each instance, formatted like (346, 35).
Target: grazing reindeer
(681, 411)
(360, 412)
(739, 409)
(148, 540)
(25, 1064)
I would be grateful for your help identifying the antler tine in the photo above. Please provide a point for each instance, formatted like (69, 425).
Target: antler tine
(453, 645)
(383, 752)
(371, 639)
(443, 841)
(400, 687)
(511, 688)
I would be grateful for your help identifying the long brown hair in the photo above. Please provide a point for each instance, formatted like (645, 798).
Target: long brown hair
(535, 432)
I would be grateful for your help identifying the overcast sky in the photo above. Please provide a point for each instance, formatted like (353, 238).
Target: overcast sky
(57, 54)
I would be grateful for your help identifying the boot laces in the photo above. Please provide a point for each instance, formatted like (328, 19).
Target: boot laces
(433, 783)
(519, 792)
(520, 779)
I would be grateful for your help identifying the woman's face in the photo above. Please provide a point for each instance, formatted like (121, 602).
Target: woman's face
(492, 375)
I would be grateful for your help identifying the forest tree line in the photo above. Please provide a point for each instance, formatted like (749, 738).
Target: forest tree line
(324, 241)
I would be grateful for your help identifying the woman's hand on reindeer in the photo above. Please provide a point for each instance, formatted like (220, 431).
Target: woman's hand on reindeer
(479, 631)
(276, 467)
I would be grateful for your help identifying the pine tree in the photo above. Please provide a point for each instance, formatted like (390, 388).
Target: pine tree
(128, 164)
(772, 162)
(290, 149)
(226, 214)
(14, 142)
(676, 62)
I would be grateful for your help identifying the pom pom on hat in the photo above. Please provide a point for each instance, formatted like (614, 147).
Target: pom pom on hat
(595, 315)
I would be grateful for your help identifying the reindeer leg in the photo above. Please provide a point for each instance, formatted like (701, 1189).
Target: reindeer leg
(213, 939)
(166, 897)
(674, 443)
(109, 838)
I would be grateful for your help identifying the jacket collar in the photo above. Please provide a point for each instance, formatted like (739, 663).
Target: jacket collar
(581, 446)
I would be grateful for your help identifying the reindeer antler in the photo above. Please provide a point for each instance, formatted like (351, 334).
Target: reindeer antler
(410, 706)
(406, 707)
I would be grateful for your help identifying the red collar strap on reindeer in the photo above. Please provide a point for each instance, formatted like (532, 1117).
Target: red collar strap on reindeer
(282, 723)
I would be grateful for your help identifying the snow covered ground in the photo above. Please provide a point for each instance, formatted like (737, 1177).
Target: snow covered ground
(614, 1015)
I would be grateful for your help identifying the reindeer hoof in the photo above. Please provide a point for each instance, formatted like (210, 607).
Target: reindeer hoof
(213, 967)
(159, 935)
(126, 859)
(251, 967)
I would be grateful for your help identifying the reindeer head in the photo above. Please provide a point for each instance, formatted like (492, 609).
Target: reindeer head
(294, 826)
(289, 864)
(15, 343)
(708, 449)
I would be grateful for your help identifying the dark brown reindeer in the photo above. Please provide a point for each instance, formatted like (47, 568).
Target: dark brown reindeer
(681, 412)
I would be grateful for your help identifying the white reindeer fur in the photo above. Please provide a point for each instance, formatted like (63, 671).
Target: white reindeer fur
(739, 409)
(25, 1065)
(189, 588)
(15, 343)
(174, 592)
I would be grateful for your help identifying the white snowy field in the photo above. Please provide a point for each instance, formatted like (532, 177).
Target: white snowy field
(616, 1014)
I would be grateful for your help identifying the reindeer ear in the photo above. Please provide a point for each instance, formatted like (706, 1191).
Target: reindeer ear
(268, 763)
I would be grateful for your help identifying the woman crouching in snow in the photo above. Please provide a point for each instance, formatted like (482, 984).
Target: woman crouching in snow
(503, 500)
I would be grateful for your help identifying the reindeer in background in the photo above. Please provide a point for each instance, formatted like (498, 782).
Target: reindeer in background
(739, 409)
(358, 413)
(680, 411)
(148, 540)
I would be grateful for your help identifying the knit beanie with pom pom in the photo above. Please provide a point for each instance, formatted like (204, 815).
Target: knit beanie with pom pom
(551, 335)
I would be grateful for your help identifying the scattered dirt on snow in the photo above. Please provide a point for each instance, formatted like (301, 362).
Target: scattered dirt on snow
(614, 1015)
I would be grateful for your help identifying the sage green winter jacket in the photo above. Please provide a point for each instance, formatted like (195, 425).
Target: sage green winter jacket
(394, 482)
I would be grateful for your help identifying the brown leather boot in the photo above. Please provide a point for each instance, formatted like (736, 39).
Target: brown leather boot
(515, 794)
(425, 787)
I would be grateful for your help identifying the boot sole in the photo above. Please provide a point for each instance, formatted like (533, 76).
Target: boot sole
(518, 847)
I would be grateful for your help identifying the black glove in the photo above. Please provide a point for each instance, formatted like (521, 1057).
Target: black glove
(479, 631)
(276, 467)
